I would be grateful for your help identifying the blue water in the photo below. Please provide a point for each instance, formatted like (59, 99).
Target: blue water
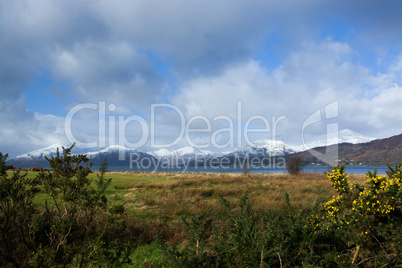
(233, 169)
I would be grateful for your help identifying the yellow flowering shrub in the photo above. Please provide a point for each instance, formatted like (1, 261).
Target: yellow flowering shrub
(382, 196)
(366, 217)
(362, 208)
(339, 179)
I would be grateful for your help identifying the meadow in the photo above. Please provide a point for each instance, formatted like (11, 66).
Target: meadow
(71, 216)
(173, 195)
(163, 197)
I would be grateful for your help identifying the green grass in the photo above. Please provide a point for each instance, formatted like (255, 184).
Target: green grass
(146, 254)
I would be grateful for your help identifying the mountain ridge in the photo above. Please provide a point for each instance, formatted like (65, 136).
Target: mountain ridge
(116, 156)
(374, 152)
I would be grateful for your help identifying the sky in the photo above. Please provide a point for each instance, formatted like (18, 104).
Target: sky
(211, 74)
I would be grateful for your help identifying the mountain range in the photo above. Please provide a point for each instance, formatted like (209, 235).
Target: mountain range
(115, 155)
(352, 149)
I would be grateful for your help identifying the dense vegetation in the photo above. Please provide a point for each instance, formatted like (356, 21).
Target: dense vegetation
(71, 217)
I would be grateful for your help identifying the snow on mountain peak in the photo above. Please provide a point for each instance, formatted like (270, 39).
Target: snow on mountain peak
(160, 153)
(52, 150)
(268, 143)
(41, 153)
(184, 151)
(188, 150)
(111, 149)
(344, 136)
(267, 147)
(349, 136)
(275, 145)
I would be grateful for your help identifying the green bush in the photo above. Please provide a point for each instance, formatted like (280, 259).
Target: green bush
(77, 226)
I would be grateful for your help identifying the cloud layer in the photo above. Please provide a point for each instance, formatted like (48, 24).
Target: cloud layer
(277, 58)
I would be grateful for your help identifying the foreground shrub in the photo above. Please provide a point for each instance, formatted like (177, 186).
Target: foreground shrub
(370, 215)
(17, 212)
(76, 227)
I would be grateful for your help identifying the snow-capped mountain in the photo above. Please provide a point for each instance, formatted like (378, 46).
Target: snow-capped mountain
(192, 156)
(344, 136)
(160, 153)
(181, 156)
(267, 148)
(52, 151)
(184, 152)
(122, 156)
(260, 152)
(41, 153)
(190, 151)
(349, 136)
(110, 150)
(115, 155)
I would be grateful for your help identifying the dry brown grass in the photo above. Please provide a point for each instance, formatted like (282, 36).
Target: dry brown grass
(183, 194)
(157, 201)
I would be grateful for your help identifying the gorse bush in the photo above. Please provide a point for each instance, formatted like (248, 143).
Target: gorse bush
(77, 226)
(370, 216)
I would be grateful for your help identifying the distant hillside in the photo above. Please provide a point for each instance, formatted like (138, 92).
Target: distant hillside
(376, 152)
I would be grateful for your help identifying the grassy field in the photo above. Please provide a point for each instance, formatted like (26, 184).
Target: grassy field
(172, 193)
(158, 201)
(167, 195)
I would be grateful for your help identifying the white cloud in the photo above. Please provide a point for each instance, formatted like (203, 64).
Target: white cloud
(308, 80)
(112, 51)
(30, 132)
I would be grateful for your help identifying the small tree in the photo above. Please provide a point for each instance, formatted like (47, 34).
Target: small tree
(294, 164)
